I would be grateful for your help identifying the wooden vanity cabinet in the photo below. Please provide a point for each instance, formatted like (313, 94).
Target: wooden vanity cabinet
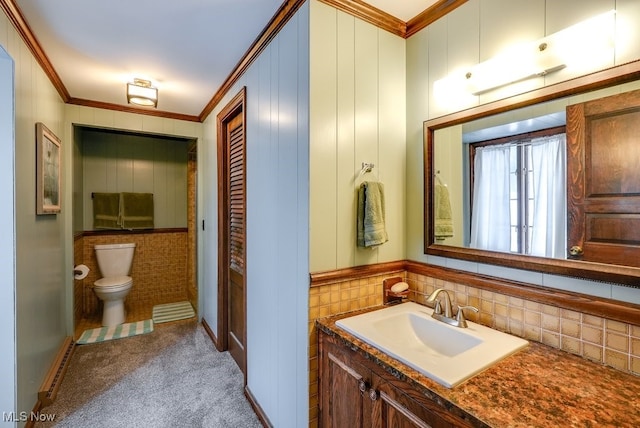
(356, 392)
(344, 384)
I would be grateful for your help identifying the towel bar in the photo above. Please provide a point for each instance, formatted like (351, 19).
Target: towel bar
(366, 167)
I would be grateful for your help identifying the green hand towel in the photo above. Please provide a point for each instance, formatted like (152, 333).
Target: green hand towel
(137, 210)
(371, 229)
(443, 224)
(106, 210)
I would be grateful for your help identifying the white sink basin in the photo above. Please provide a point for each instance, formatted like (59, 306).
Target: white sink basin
(449, 355)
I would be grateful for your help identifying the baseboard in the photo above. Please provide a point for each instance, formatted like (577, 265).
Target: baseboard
(31, 420)
(207, 328)
(49, 388)
(264, 420)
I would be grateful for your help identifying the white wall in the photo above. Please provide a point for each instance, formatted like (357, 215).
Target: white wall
(358, 113)
(475, 32)
(277, 189)
(7, 245)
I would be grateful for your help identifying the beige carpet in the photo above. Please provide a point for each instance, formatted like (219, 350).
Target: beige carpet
(171, 377)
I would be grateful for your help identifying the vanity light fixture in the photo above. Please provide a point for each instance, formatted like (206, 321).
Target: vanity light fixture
(578, 47)
(142, 93)
(532, 60)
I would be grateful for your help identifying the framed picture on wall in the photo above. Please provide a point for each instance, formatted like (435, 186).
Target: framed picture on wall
(47, 171)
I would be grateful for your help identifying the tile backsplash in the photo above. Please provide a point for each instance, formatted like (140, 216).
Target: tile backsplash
(332, 299)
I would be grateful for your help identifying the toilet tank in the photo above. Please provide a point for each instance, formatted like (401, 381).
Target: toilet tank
(115, 259)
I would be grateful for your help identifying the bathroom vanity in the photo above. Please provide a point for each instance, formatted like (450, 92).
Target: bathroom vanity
(361, 386)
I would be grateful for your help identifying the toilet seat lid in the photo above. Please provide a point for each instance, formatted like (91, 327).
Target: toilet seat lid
(113, 281)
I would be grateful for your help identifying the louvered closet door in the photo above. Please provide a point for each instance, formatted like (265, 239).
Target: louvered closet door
(236, 237)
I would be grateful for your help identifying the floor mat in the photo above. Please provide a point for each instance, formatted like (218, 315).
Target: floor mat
(103, 334)
(172, 312)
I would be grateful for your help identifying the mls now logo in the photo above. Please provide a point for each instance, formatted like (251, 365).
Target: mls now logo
(27, 416)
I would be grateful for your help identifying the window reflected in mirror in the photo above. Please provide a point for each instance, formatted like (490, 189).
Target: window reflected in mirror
(505, 182)
(499, 167)
(518, 194)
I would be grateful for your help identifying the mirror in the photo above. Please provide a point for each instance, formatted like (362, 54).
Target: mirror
(451, 142)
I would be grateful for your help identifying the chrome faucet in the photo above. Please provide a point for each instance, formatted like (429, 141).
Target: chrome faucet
(446, 315)
(434, 302)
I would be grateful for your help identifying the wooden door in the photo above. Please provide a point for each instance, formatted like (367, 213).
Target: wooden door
(603, 177)
(232, 231)
(236, 234)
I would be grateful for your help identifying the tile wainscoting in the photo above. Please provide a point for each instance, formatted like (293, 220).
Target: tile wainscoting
(331, 296)
(159, 272)
(555, 319)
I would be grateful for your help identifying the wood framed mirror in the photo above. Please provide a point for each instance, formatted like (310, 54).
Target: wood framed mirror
(599, 268)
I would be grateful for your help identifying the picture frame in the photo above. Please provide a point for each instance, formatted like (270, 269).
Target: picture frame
(48, 171)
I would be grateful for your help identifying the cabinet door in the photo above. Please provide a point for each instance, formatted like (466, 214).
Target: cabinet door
(343, 384)
(396, 408)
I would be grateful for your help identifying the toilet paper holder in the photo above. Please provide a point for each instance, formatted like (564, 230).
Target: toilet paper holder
(80, 272)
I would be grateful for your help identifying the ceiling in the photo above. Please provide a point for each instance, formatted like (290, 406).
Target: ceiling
(187, 48)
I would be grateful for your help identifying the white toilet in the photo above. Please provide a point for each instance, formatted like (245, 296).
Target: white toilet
(114, 261)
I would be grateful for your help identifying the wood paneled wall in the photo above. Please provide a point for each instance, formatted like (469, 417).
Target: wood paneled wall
(277, 157)
(357, 110)
(119, 162)
(31, 342)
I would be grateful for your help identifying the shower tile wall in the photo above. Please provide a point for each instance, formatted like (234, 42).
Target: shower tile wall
(192, 178)
(159, 270)
(78, 258)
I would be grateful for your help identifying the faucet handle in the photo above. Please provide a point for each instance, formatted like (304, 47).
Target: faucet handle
(437, 309)
(460, 318)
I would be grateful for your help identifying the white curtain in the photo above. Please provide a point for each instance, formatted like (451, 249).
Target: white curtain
(490, 220)
(548, 236)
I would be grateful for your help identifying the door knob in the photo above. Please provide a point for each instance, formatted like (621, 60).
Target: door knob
(576, 251)
(362, 386)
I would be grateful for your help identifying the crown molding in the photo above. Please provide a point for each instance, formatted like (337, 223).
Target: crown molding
(129, 109)
(15, 16)
(17, 19)
(357, 8)
(370, 14)
(273, 27)
(432, 14)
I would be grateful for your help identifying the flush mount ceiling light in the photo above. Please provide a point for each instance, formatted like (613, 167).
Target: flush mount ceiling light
(141, 93)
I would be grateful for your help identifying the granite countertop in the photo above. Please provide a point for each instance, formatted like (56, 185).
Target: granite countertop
(539, 386)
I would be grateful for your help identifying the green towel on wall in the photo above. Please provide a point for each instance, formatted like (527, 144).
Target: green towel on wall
(106, 210)
(136, 210)
(371, 229)
(443, 223)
